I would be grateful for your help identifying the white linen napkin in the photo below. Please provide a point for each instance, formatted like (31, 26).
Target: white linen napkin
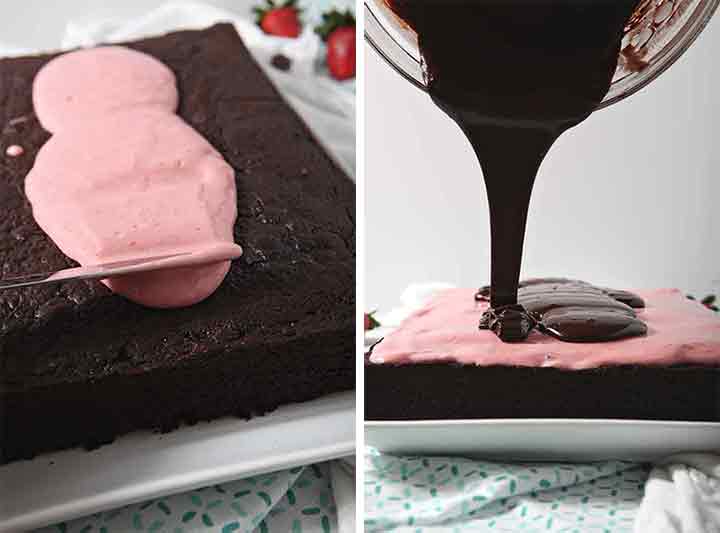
(342, 476)
(682, 495)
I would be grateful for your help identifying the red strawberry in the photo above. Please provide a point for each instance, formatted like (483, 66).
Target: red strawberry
(709, 302)
(282, 20)
(341, 53)
(371, 322)
(338, 30)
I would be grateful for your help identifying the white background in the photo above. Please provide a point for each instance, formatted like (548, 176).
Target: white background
(39, 24)
(629, 198)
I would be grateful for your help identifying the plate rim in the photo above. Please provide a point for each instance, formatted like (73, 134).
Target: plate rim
(129, 496)
(542, 422)
(186, 481)
(592, 439)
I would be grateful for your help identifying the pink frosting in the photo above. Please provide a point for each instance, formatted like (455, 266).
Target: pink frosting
(680, 331)
(88, 84)
(123, 176)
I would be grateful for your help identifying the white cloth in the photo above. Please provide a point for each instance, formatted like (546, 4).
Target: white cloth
(682, 495)
(342, 475)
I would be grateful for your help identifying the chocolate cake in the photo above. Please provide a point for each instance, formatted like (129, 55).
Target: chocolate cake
(436, 365)
(80, 365)
(443, 391)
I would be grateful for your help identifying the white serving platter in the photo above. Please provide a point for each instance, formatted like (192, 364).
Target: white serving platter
(544, 439)
(140, 466)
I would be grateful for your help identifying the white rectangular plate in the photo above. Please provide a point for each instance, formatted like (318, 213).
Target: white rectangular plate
(544, 439)
(141, 466)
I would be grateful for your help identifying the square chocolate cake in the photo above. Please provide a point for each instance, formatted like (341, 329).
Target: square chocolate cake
(439, 365)
(80, 365)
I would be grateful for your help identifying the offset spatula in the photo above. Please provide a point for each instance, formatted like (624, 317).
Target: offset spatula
(120, 268)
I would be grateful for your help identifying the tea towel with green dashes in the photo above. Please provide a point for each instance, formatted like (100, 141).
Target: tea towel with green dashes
(299, 500)
(433, 494)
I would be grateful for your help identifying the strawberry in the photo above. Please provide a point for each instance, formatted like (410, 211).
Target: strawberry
(709, 301)
(371, 322)
(338, 31)
(341, 53)
(282, 19)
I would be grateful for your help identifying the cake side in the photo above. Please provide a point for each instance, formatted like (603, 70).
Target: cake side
(445, 391)
(291, 295)
(250, 383)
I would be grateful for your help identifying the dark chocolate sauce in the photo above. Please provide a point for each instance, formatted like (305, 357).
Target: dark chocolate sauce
(570, 310)
(514, 75)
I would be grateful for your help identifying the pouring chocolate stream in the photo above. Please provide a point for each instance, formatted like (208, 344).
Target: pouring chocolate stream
(515, 75)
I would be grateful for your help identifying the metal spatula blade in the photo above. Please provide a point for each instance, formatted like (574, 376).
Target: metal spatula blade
(116, 268)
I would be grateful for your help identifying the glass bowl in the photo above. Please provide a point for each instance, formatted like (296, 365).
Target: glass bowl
(656, 36)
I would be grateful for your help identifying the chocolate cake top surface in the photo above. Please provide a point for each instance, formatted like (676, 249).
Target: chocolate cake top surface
(295, 224)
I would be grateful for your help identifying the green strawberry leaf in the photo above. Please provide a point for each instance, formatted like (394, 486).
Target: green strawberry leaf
(332, 20)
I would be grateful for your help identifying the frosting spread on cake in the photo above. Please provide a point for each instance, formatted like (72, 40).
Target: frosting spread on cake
(123, 176)
(680, 331)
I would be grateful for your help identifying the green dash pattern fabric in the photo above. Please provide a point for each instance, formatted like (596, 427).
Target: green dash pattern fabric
(299, 500)
(433, 494)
